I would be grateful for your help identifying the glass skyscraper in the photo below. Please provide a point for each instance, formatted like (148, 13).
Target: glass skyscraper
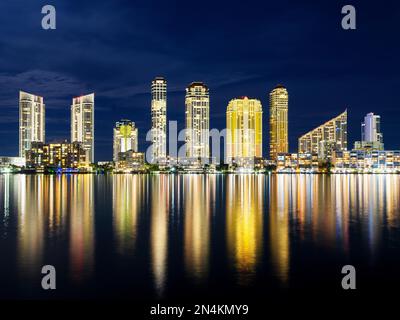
(159, 118)
(31, 121)
(197, 103)
(82, 124)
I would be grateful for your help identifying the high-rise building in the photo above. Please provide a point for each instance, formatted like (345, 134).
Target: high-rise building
(197, 103)
(329, 137)
(278, 121)
(31, 121)
(371, 128)
(82, 124)
(371, 135)
(159, 118)
(244, 131)
(125, 138)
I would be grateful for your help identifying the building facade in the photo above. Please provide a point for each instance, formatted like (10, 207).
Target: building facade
(197, 102)
(125, 138)
(61, 155)
(376, 161)
(327, 138)
(130, 161)
(278, 121)
(371, 135)
(159, 119)
(297, 162)
(82, 124)
(244, 131)
(31, 121)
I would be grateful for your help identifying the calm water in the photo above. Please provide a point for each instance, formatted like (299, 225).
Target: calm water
(152, 237)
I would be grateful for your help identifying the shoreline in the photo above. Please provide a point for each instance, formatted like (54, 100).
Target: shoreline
(198, 173)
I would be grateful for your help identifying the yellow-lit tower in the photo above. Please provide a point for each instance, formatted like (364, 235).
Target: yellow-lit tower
(278, 121)
(244, 130)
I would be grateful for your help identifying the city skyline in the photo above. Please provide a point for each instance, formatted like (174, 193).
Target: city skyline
(322, 140)
(353, 73)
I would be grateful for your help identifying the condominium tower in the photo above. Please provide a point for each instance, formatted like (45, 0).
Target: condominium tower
(244, 130)
(371, 135)
(82, 124)
(197, 102)
(31, 121)
(331, 136)
(125, 138)
(159, 118)
(278, 121)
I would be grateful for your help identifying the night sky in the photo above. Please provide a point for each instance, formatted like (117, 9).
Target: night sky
(115, 48)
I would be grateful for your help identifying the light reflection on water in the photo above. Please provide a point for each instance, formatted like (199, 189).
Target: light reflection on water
(191, 230)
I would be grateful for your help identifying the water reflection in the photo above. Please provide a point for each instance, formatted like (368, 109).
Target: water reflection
(264, 224)
(128, 192)
(82, 233)
(244, 223)
(199, 197)
(282, 200)
(33, 207)
(5, 200)
(160, 186)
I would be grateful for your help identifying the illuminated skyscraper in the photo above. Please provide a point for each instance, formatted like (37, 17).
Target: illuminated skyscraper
(331, 136)
(197, 103)
(82, 124)
(125, 138)
(371, 135)
(244, 130)
(278, 121)
(159, 118)
(31, 121)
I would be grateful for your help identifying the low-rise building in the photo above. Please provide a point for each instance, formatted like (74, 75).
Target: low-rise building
(11, 164)
(57, 156)
(297, 162)
(375, 161)
(130, 161)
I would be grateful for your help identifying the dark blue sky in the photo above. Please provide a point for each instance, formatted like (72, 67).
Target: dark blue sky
(115, 48)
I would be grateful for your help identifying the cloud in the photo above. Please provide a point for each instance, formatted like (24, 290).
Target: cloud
(45, 83)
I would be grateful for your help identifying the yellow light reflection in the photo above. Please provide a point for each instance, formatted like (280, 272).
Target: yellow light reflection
(128, 191)
(244, 223)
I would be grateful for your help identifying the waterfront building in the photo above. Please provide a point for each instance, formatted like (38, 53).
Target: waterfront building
(130, 161)
(82, 124)
(371, 135)
(297, 162)
(11, 164)
(327, 138)
(197, 103)
(244, 131)
(278, 121)
(56, 156)
(159, 119)
(31, 121)
(125, 138)
(376, 161)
